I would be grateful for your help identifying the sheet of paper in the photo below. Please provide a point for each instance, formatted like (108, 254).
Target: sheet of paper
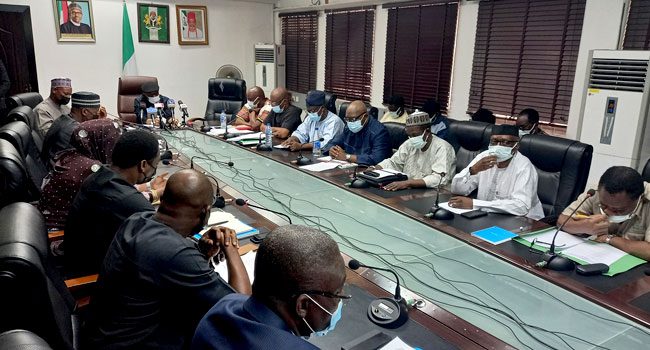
(445, 205)
(249, 263)
(322, 166)
(593, 252)
(397, 344)
(219, 216)
(216, 131)
(281, 146)
(562, 242)
(255, 136)
(324, 159)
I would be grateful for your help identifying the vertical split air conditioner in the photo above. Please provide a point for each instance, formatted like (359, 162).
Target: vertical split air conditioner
(615, 110)
(269, 67)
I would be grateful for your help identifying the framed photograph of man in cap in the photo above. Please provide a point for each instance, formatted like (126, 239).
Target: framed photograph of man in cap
(74, 20)
(153, 23)
(192, 24)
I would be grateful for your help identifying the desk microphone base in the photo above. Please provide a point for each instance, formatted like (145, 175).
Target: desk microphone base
(556, 262)
(264, 147)
(387, 312)
(303, 161)
(437, 213)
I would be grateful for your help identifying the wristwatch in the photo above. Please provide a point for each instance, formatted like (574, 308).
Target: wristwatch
(347, 157)
(609, 239)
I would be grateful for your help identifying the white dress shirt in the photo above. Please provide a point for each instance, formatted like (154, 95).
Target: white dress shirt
(329, 128)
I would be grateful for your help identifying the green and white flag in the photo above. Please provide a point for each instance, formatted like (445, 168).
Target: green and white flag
(154, 20)
(129, 67)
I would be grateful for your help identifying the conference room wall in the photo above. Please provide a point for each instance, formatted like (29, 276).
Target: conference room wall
(183, 71)
(603, 24)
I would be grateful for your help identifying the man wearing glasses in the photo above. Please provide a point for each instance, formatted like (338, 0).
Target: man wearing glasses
(284, 117)
(319, 124)
(618, 214)
(506, 179)
(297, 292)
(364, 140)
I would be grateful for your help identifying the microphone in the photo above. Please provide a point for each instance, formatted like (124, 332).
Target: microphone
(143, 107)
(219, 201)
(171, 104)
(228, 135)
(436, 212)
(151, 113)
(159, 110)
(262, 146)
(230, 164)
(183, 107)
(242, 202)
(385, 312)
(167, 156)
(550, 259)
(302, 160)
(357, 182)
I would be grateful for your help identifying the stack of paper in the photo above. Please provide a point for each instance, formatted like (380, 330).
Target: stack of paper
(254, 136)
(224, 219)
(249, 262)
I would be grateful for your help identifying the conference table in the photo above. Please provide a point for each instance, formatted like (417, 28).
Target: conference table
(477, 295)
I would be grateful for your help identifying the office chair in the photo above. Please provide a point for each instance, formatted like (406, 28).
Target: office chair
(128, 88)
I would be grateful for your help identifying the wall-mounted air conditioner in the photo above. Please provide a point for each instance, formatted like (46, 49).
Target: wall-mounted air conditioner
(615, 110)
(269, 67)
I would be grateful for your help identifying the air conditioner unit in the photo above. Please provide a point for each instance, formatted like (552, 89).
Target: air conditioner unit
(615, 110)
(269, 67)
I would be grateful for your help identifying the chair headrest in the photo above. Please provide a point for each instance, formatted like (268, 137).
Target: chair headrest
(14, 181)
(30, 99)
(330, 101)
(132, 85)
(546, 152)
(22, 223)
(18, 339)
(19, 134)
(470, 135)
(20, 113)
(227, 89)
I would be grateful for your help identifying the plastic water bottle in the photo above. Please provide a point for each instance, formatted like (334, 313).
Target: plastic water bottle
(268, 133)
(223, 120)
(316, 150)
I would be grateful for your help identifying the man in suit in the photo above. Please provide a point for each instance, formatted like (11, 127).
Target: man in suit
(74, 25)
(150, 96)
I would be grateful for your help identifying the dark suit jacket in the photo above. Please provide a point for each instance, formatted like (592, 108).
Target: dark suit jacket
(69, 28)
(142, 99)
(57, 138)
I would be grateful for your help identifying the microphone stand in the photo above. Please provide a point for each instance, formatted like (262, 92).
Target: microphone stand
(550, 259)
(302, 160)
(436, 212)
(230, 164)
(242, 202)
(357, 182)
(228, 135)
(263, 146)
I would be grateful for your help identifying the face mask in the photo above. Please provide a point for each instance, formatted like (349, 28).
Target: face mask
(355, 126)
(503, 153)
(526, 132)
(617, 219)
(154, 99)
(418, 142)
(65, 99)
(314, 117)
(250, 104)
(150, 177)
(336, 316)
(277, 109)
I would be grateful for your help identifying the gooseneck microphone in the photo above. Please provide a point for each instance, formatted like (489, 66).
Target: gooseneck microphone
(242, 202)
(183, 107)
(357, 182)
(219, 201)
(436, 212)
(262, 146)
(230, 164)
(550, 259)
(385, 312)
(302, 160)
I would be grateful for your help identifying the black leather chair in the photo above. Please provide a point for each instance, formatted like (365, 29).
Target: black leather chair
(29, 99)
(20, 339)
(397, 132)
(15, 183)
(646, 172)
(562, 169)
(20, 136)
(33, 298)
(373, 112)
(228, 95)
(128, 88)
(20, 113)
(468, 138)
(330, 102)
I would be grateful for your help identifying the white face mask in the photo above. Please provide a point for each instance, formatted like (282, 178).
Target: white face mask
(154, 99)
(502, 153)
(617, 219)
(419, 141)
(526, 132)
(250, 104)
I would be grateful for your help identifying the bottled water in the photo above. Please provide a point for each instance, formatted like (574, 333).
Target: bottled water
(316, 150)
(269, 135)
(223, 120)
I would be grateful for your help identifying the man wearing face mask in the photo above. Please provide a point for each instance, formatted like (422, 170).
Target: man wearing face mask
(319, 124)
(107, 198)
(364, 140)
(155, 284)
(150, 96)
(53, 107)
(396, 112)
(618, 214)
(284, 117)
(85, 106)
(439, 122)
(288, 302)
(257, 108)
(528, 123)
(422, 157)
(506, 179)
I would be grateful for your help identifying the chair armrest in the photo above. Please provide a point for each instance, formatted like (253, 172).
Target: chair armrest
(75, 284)
(54, 236)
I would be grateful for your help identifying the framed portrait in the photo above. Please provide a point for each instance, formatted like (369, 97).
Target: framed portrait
(74, 20)
(192, 25)
(153, 23)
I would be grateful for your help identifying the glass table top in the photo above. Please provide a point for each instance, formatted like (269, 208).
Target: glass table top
(505, 301)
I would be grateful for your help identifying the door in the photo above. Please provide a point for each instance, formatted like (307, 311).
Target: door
(17, 48)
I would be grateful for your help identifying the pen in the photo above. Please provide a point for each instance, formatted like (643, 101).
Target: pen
(218, 223)
(580, 215)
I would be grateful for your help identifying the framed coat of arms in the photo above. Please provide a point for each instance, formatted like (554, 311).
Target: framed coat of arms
(153, 23)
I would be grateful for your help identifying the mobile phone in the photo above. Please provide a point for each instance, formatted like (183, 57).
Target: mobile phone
(474, 214)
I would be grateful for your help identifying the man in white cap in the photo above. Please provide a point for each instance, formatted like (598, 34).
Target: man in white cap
(54, 106)
(424, 157)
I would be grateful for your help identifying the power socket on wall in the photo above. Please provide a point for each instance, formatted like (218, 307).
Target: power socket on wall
(295, 98)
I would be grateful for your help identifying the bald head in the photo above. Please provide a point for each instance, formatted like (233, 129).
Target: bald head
(355, 109)
(187, 188)
(278, 94)
(296, 258)
(255, 94)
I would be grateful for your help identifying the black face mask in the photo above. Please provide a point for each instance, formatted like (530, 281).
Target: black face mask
(64, 100)
(150, 177)
(202, 222)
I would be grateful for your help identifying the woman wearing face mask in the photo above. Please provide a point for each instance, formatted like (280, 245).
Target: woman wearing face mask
(506, 179)
(424, 157)
(618, 214)
(396, 112)
(150, 96)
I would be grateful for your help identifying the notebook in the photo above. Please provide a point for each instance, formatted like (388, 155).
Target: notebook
(494, 235)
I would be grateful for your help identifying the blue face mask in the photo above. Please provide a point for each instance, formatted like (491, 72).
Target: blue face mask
(277, 109)
(502, 153)
(314, 117)
(336, 316)
(355, 126)
(419, 141)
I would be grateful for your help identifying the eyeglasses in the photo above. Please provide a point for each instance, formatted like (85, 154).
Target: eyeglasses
(325, 294)
(354, 119)
(503, 143)
(273, 104)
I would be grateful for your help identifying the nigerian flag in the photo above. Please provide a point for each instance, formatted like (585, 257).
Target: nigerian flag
(129, 66)
(154, 23)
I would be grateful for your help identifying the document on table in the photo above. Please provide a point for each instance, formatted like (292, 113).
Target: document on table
(255, 136)
(594, 252)
(563, 241)
(397, 344)
(445, 205)
(321, 166)
(280, 146)
(249, 262)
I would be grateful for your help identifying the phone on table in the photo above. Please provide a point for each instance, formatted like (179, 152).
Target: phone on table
(474, 214)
